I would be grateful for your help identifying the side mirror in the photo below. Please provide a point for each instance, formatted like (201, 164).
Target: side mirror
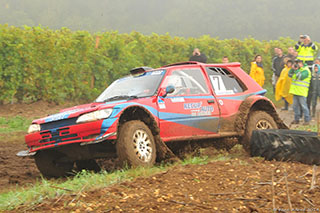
(168, 90)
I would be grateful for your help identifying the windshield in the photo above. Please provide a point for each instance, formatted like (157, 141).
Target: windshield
(130, 87)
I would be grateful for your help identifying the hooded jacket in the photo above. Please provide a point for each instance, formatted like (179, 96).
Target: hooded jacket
(257, 73)
(283, 86)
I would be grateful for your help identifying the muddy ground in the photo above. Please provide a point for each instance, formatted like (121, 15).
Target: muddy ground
(14, 170)
(242, 184)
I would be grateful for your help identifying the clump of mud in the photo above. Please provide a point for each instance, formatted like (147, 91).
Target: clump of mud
(109, 165)
(212, 147)
(186, 149)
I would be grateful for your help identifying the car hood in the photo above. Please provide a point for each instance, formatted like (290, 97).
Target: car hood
(75, 111)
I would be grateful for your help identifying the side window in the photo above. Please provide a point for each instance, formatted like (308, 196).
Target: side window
(223, 82)
(186, 82)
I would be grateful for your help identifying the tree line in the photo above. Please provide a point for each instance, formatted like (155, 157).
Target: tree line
(39, 63)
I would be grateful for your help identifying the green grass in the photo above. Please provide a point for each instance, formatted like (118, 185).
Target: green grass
(309, 128)
(14, 124)
(196, 161)
(271, 96)
(46, 189)
(43, 189)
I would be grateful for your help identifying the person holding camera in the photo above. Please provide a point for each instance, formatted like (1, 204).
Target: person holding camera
(306, 49)
(197, 56)
(301, 76)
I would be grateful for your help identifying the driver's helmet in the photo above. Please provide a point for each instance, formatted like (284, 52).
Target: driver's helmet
(176, 81)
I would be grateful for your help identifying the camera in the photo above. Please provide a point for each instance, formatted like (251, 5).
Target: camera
(295, 66)
(303, 36)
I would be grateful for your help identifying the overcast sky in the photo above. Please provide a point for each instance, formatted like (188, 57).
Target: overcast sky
(261, 19)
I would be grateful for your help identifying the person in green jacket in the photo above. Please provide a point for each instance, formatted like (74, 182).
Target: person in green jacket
(299, 88)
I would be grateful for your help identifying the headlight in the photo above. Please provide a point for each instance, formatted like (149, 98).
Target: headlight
(34, 128)
(93, 116)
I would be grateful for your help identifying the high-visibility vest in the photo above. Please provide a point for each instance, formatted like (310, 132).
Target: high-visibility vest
(300, 87)
(306, 53)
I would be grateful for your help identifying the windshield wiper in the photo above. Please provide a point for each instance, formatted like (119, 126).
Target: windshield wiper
(120, 97)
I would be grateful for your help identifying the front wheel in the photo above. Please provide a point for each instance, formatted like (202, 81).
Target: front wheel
(53, 164)
(136, 144)
(257, 120)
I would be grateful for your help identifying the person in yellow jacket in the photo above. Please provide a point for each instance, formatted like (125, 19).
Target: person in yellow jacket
(283, 85)
(256, 71)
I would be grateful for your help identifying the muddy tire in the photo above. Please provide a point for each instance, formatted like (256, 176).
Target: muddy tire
(53, 164)
(136, 144)
(286, 145)
(257, 120)
(90, 165)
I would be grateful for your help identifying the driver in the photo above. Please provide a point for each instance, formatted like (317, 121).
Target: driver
(176, 81)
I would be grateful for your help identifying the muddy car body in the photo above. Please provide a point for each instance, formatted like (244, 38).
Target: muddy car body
(136, 115)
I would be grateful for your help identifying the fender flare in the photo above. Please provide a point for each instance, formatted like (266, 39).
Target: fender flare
(163, 151)
(253, 103)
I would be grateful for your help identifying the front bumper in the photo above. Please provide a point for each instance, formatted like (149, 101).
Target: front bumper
(30, 153)
(84, 133)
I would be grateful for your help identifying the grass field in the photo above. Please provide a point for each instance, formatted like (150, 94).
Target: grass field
(14, 124)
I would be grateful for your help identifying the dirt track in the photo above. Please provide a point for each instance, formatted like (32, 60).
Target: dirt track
(238, 185)
(14, 170)
(242, 184)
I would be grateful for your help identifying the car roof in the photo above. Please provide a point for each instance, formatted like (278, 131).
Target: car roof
(232, 64)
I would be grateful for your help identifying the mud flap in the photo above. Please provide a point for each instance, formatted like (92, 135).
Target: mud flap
(163, 152)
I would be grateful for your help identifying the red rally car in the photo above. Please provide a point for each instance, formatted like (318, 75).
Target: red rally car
(138, 113)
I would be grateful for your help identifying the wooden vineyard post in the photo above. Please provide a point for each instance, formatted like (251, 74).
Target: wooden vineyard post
(96, 47)
(318, 124)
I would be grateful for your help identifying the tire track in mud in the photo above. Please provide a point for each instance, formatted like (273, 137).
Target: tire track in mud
(15, 170)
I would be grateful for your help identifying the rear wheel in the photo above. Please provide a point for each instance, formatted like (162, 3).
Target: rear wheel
(136, 144)
(53, 164)
(257, 120)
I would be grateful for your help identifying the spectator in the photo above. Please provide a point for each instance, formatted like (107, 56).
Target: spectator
(283, 85)
(291, 54)
(306, 49)
(256, 71)
(317, 61)
(301, 77)
(225, 59)
(197, 56)
(273, 80)
(277, 66)
(306, 52)
(316, 88)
